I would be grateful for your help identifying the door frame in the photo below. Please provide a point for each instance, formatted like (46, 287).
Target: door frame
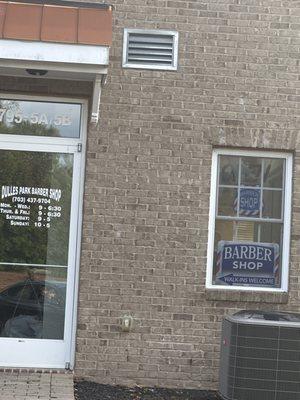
(80, 143)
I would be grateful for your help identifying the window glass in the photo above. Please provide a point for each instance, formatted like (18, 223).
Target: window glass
(249, 221)
(227, 201)
(229, 169)
(273, 173)
(272, 204)
(35, 207)
(32, 301)
(224, 230)
(24, 293)
(251, 171)
(40, 118)
(271, 232)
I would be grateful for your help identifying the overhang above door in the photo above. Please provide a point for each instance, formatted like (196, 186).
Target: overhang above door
(56, 40)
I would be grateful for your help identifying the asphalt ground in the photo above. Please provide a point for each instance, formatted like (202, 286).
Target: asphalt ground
(85, 390)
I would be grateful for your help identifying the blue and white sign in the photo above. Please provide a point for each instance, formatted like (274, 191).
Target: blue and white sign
(249, 202)
(232, 279)
(242, 263)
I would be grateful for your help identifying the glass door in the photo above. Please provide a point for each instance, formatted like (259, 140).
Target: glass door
(39, 197)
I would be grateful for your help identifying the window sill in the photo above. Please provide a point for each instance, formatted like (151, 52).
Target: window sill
(244, 296)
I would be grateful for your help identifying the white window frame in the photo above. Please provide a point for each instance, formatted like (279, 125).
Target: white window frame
(288, 157)
(126, 64)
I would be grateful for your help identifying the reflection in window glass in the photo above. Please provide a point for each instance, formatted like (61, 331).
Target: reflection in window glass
(35, 207)
(229, 168)
(273, 172)
(271, 233)
(32, 302)
(40, 118)
(251, 171)
(272, 204)
(237, 231)
(20, 292)
(224, 230)
(227, 201)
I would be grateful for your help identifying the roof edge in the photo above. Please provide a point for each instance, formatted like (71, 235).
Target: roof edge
(65, 3)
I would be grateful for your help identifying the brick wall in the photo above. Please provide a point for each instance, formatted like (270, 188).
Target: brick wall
(148, 182)
(148, 179)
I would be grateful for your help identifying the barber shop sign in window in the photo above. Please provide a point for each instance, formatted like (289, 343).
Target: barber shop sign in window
(249, 220)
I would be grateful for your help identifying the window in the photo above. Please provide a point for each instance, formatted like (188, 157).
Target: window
(39, 118)
(249, 226)
(20, 293)
(150, 49)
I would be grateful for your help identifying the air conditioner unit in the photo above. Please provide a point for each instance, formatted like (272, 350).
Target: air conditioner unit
(260, 356)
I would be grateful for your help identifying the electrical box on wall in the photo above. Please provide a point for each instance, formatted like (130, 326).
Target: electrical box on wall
(127, 323)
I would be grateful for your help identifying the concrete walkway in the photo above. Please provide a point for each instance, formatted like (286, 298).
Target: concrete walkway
(30, 385)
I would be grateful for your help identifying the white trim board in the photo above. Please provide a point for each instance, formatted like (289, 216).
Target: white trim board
(59, 61)
(53, 52)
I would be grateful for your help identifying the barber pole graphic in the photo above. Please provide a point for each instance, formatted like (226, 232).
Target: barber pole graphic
(276, 269)
(219, 258)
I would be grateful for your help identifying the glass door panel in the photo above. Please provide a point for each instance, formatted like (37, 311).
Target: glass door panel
(32, 302)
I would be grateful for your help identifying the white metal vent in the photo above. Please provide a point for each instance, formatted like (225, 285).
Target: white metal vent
(151, 49)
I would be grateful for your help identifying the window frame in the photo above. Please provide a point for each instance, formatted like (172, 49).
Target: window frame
(286, 207)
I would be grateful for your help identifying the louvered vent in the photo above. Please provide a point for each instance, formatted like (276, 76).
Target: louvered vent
(150, 49)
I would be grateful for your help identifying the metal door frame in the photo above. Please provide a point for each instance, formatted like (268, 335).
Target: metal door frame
(76, 146)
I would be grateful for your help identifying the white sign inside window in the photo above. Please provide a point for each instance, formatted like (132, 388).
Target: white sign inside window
(17, 204)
